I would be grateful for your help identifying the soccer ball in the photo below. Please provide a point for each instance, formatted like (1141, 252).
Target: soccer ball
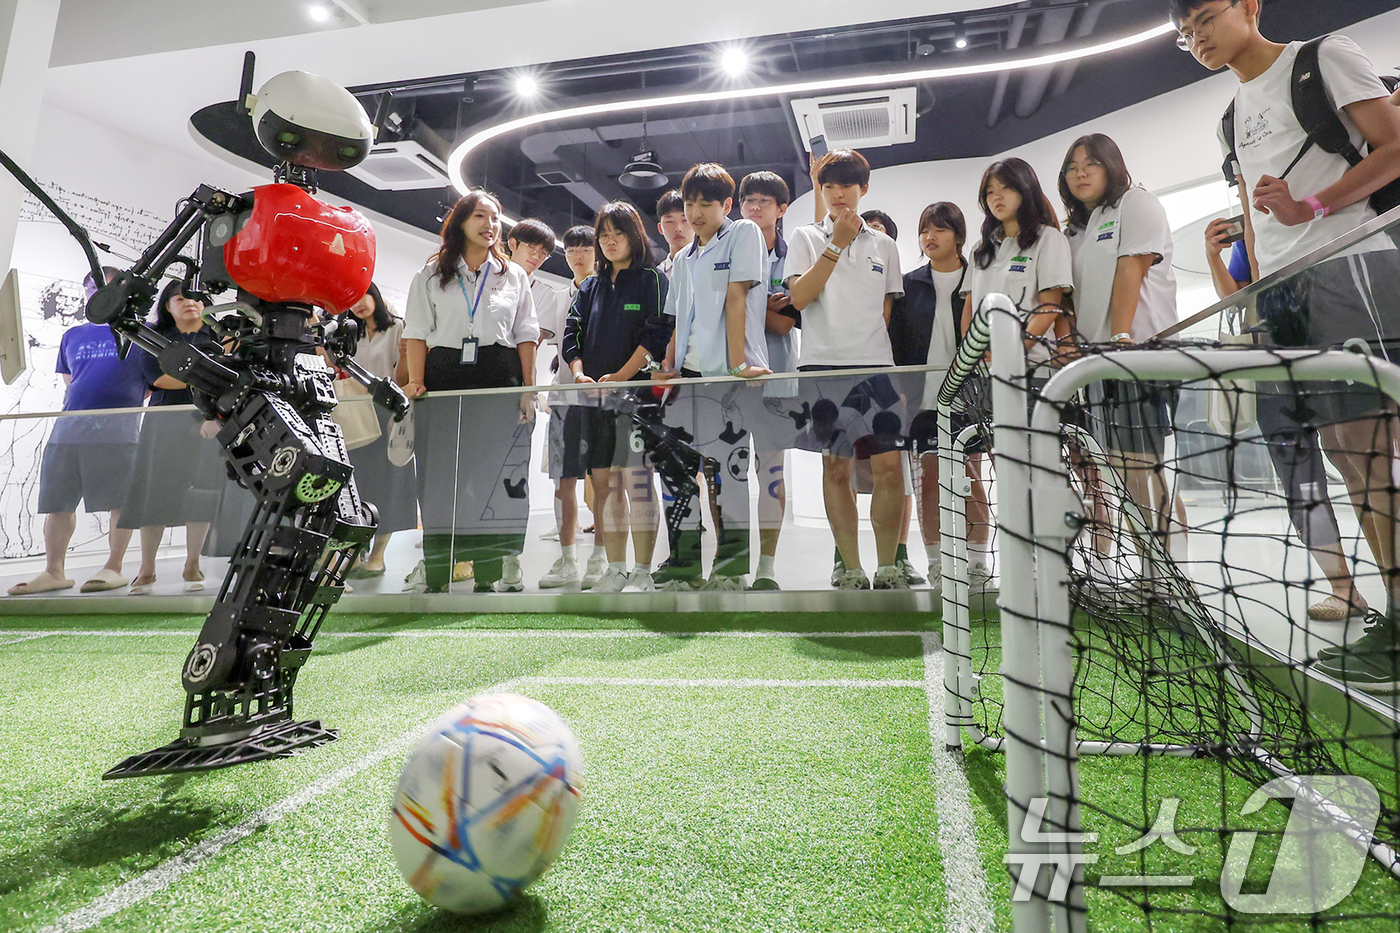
(486, 802)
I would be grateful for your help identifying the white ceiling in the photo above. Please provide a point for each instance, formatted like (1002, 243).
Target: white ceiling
(143, 66)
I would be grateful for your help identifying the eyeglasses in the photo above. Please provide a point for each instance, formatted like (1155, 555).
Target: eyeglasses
(1089, 165)
(1204, 27)
(758, 202)
(578, 252)
(536, 249)
(612, 236)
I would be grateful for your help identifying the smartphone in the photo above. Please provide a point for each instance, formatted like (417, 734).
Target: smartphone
(1234, 232)
(818, 146)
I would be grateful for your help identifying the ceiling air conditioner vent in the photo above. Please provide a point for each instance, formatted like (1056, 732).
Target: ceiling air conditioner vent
(864, 120)
(401, 166)
(556, 178)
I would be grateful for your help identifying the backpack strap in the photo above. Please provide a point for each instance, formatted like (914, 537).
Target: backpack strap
(1314, 110)
(1230, 168)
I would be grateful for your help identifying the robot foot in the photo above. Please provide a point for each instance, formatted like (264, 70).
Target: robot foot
(278, 740)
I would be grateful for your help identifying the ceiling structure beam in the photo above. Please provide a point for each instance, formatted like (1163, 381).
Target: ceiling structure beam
(355, 10)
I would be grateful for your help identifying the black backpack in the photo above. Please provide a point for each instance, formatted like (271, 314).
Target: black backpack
(1324, 128)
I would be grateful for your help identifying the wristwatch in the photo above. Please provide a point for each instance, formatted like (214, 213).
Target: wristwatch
(652, 365)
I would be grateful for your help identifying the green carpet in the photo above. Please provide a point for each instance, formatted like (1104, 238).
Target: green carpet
(709, 805)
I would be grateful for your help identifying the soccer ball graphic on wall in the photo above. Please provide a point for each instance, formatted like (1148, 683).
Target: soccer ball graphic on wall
(486, 802)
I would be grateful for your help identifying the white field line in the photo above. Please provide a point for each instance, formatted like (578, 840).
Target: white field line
(157, 879)
(714, 682)
(606, 634)
(964, 878)
(30, 637)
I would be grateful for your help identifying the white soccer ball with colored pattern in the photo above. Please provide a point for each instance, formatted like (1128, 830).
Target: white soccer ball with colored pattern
(486, 802)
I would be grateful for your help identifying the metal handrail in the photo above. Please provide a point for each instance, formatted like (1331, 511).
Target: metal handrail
(1246, 296)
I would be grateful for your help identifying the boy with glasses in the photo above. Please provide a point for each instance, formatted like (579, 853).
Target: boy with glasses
(1298, 197)
(763, 199)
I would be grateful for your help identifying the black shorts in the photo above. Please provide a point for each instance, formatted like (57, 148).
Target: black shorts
(923, 433)
(99, 475)
(600, 436)
(1132, 417)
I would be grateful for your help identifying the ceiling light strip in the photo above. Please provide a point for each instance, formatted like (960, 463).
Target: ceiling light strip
(460, 153)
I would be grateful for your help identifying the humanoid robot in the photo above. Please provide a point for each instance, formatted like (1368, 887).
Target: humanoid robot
(285, 254)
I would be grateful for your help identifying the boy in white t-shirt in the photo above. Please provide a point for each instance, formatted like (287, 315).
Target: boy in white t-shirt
(843, 277)
(1296, 198)
(719, 300)
(673, 227)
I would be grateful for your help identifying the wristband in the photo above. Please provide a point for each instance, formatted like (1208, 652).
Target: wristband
(736, 370)
(1118, 337)
(833, 251)
(1319, 210)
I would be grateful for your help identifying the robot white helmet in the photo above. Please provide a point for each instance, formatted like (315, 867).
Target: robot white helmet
(311, 121)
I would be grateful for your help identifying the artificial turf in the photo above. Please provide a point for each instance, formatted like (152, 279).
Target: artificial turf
(708, 806)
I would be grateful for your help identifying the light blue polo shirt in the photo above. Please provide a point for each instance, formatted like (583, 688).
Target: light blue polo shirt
(700, 281)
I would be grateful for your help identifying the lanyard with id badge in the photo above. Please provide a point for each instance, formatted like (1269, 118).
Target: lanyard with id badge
(469, 342)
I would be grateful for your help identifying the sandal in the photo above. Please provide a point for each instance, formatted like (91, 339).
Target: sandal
(104, 579)
(1336, 609)
(43, 583)
(142, 586)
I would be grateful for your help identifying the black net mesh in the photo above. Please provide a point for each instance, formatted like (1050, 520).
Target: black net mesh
(1233, 530)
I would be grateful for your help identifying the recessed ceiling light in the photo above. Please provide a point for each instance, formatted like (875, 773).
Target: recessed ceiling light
(481, 137)
(960, 42)
(527, 86)
(319, 13)
(734, 61)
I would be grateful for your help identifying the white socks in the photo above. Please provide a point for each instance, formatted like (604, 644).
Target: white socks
(765, 566)
(569, 551)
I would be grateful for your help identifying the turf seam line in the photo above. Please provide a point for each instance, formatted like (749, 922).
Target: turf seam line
(466, 633)
(964, 878)
(30, 637)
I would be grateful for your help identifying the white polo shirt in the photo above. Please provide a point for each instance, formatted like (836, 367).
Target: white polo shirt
(700, 281)
(845, 324)
(1135, 226)
(1022, 274)
(442, 317)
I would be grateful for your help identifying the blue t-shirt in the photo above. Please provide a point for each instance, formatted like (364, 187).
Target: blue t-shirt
(1239, 263)
(88, 353)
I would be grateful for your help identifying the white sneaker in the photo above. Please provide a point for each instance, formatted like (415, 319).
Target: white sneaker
(935, 576)
(853, 580)
(550, 535)
(597, 566)
(417, 579)
(725, 583)
(890, 578)
(613, 581)
(564, 572)
(640, 582)
(978, 575)
(911, 576)
(512, 580)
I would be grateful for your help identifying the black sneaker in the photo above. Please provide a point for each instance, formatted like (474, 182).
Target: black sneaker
(1380, 630)
(1375, 671)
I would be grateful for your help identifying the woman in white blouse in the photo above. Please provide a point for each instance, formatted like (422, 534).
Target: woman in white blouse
(470, 323)
(392, 489)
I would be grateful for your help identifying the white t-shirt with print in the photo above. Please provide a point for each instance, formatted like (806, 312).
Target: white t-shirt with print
(845, 324)
(1136, 226)
(1022, 274)
(1268, 137)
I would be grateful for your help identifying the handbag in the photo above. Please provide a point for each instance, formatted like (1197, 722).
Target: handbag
(401, 440)
(357, 420)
